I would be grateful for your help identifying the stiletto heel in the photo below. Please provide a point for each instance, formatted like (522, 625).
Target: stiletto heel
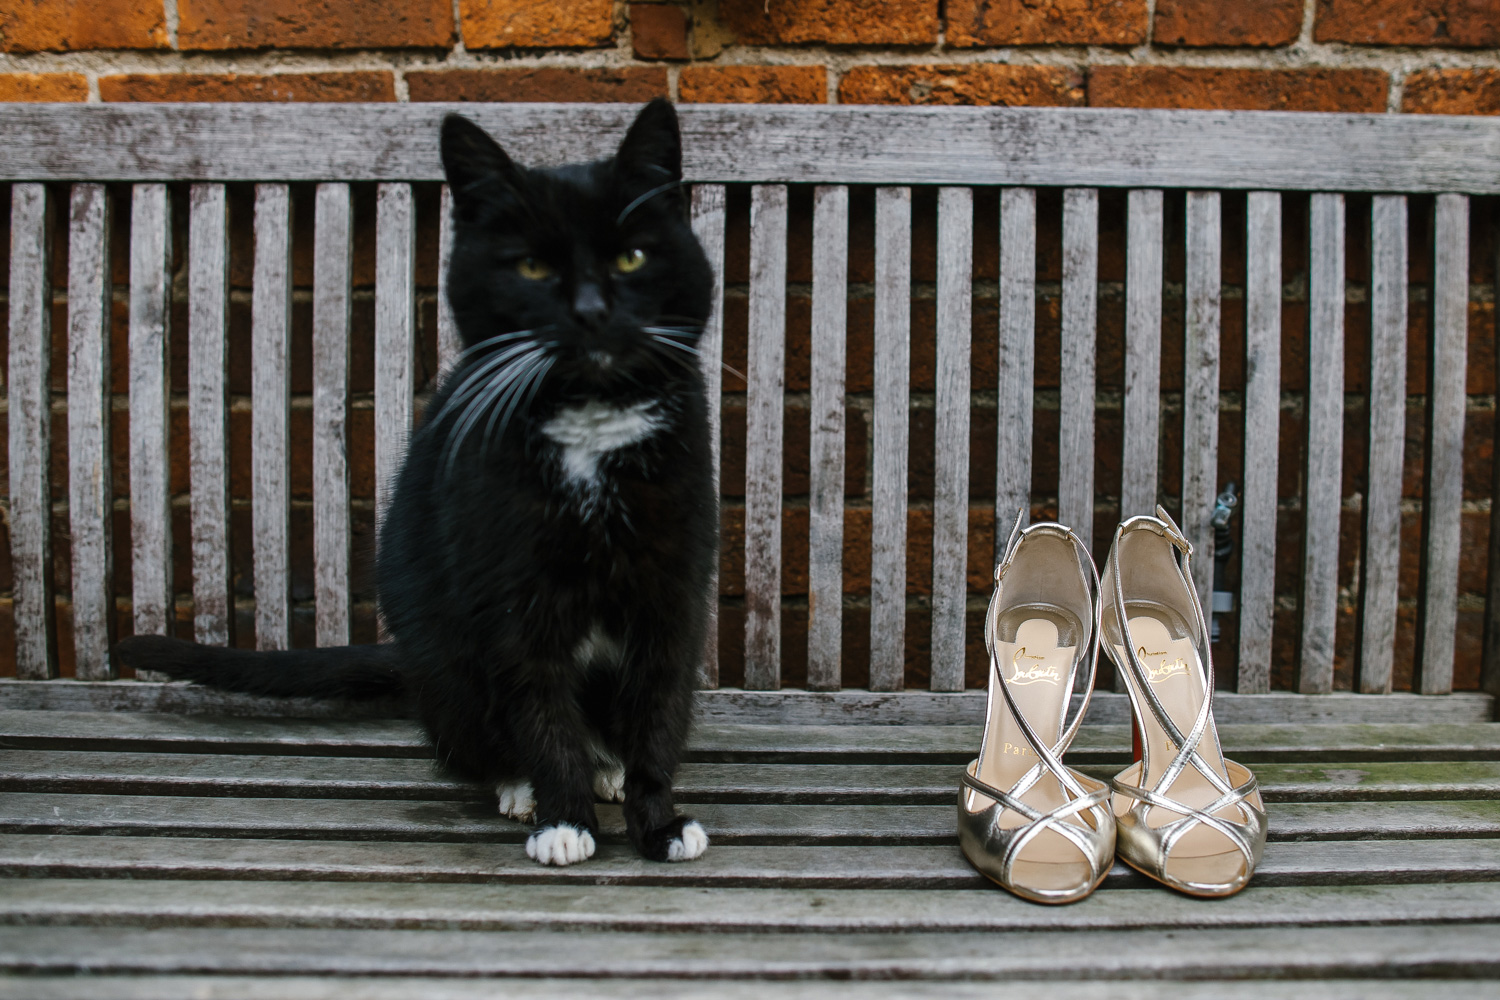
(1025, 821)
(1186, 816)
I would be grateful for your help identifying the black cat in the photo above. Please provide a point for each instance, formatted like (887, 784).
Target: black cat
(545, 561)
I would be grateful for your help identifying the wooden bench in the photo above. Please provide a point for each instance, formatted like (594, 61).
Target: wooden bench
(174, 841)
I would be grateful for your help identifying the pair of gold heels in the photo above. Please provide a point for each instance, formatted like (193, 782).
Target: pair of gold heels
(1182, 814)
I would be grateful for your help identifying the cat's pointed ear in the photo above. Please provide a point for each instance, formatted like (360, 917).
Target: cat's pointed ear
(652, 149)
(473, 162)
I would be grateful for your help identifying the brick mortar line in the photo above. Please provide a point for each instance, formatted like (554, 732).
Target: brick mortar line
(1309, 18)
(173, 21)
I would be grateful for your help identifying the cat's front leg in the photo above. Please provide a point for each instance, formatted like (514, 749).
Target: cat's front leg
(549, 736)
(651, 730)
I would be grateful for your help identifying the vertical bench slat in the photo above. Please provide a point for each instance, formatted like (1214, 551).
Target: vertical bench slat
(825, 571)
(1200, 384)
(708, 224)
(449, 343)
(333, 244)
(1262, 433)
(1080, 308)
(89, 495)
(892, 427)
(950, 500)
(270, 386)
(1387, 411)
(1325, 441)
(766, 382)
(1443, 495)
(1017, 362)
(208, 412)
(1142, 417)
(30, 419)
(150, 386)
(395, 333)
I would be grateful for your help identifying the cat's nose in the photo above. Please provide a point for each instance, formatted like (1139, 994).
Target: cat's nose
(589, 305)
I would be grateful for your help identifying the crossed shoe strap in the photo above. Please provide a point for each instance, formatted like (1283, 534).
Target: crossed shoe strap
(1054, 820)
(1172, 832)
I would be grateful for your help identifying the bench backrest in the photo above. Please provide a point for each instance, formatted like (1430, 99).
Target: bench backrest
(956, 150)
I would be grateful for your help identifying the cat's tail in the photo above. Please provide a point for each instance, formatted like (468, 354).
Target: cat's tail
(355, 672)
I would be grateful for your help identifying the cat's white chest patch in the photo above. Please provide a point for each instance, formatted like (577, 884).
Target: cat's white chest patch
(587, 433)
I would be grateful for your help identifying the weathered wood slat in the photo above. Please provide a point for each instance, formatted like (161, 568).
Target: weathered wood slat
(478, 822)
(150, 402)
(766, 382)
(1387, 406)
(449, 343)
(835, 866)
(90, 497)
(1323, 502)
(708, 208)
(440, 906)
(333, 253)
(1017, 363)
(270, 383)
(1071, 147)
(825, 544)
(1443, 489)
(465, 822)
(1331, 951)
(1142, 354)
(1258, 496)
(950, 491)
(139, 732)
(891, 438)
(735, 705)
(29, 417)
(1080, 310)
(941, 708)
(161, 732)
(208, 411)
(286, 776)
(739, 824)
(395, 333)
(1200, 382)
(334, 987)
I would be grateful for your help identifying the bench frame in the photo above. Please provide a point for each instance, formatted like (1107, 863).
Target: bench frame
(768, 147)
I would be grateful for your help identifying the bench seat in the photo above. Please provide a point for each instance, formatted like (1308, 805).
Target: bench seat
(191, 855)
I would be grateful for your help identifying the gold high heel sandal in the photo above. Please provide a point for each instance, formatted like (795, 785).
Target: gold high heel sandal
(1186, 816)
(1025, 821)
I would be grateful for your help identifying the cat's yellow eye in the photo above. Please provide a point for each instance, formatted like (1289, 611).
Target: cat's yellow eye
(532, 269)
(630, 260)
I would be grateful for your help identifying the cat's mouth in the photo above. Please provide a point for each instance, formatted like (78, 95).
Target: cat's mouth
(603, 361)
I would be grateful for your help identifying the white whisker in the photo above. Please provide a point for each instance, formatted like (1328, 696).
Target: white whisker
(482, 403)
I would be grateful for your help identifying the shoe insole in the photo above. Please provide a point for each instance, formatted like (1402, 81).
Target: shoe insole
(1175, 673)
(1037, 669)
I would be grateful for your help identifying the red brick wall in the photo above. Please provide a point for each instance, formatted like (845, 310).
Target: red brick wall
(1395, 56)
(1355, 55)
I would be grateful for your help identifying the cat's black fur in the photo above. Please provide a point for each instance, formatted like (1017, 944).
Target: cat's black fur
(495, 568)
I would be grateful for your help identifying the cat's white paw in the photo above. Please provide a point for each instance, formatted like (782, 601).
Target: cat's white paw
(693, 842)
(517, 800)
(609, 784)
(560, 845)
